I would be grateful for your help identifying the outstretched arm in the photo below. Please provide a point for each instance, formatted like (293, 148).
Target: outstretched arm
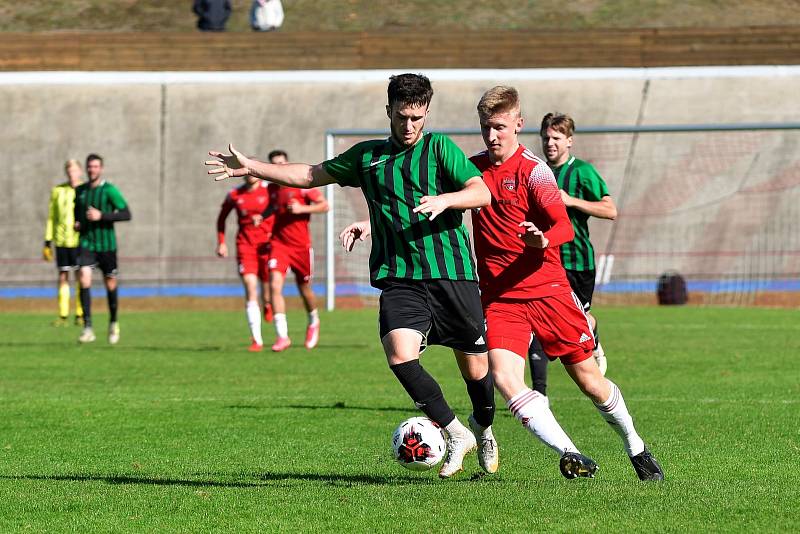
(290, 174)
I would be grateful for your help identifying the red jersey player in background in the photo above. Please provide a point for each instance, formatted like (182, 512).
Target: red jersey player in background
(525, 290)
(291, 249)
(251, 202)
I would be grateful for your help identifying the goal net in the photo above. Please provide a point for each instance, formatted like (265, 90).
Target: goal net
(717, 204)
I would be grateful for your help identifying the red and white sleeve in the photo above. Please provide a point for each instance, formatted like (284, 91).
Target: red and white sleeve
(546, 196)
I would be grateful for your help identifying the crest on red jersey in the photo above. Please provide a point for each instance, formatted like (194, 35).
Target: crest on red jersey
(509, 183)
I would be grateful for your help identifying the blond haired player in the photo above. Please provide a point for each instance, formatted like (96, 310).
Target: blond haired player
(60, 233)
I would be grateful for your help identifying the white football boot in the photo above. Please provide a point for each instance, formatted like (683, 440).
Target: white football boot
(459, 444)
(87, 335)
(488, 453)
(113, 333)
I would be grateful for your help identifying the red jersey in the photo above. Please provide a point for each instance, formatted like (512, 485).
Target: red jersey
(247, 202)
(523, 189)
(291, 229)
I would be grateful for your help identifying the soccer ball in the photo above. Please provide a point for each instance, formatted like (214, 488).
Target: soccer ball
(418, 444)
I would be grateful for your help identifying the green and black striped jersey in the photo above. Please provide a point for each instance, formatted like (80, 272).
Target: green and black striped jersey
(580, 180)
(392, 178)
(97, 236)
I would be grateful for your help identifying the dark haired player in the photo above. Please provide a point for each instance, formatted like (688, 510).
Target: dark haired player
(416, 185)
(291, 249)
(98, 205)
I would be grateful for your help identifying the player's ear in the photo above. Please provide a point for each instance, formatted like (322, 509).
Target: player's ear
(520, 124)
(388, 111)
(569, 142)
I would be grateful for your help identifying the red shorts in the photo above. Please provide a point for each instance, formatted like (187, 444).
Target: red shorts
(558, 322)
(299, 259)
(253, 260)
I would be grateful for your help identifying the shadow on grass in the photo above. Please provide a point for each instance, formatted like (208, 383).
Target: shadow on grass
(343, 406)
(261, 479)
(335, 406)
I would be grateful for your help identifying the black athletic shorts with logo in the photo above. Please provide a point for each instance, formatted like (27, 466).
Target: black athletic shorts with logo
(67, 258)
(445, 312)
(582, 283)
(106, 261)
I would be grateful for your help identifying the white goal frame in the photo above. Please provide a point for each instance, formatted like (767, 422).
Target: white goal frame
(604, 264)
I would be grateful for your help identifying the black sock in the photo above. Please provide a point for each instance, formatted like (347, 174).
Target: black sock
(538, 361)
(86, 304)
(481, 392)
(424, 391)
(112, 305)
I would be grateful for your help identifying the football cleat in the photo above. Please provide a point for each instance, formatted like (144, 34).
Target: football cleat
(458, 446)
(113, 333)
(87, 335)
(646, 466)
(268, 315)
(255, 347)
(312, 335)
(574, 465)
(61, 321)
(488, 452)
(600, 357)
(281, 344)
(78, 320)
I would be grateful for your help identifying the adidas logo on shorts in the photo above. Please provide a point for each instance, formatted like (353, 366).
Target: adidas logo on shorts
(584, 338)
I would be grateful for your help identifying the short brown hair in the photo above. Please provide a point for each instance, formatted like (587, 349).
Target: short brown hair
(558, 122)
(498, 99)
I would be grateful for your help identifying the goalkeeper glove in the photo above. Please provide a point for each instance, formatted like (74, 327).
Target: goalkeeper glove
(47, 252)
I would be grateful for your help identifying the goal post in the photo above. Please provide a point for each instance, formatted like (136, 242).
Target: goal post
(718, 203)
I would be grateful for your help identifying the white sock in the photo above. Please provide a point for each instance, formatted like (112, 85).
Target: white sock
(455, 427)
(616, 414)
(313, 317)
(531, 408)
(254, 320)
(281, 327)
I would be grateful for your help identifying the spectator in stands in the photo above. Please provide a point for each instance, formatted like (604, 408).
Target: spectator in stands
(266, 15)
(212, 14)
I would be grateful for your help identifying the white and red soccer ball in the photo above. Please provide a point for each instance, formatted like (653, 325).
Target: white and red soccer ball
(418, 444)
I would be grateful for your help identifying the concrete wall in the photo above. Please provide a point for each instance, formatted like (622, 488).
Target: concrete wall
(154, 137)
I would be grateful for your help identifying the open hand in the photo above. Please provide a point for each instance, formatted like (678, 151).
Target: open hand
(532, 236)
(432, 206)
(358, 231)
(227, 166)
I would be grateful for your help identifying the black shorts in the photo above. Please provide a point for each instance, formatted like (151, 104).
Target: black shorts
(582, 283)
(445, 312)
(106, 261)
(67, 258)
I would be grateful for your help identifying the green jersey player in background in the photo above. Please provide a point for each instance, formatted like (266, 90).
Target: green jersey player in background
(416, 185)
(585, 195)
(98, 205)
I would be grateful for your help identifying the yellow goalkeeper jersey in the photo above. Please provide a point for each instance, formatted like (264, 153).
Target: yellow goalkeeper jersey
(61, 218)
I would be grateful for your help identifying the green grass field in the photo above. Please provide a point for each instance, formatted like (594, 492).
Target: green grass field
(180, 429)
